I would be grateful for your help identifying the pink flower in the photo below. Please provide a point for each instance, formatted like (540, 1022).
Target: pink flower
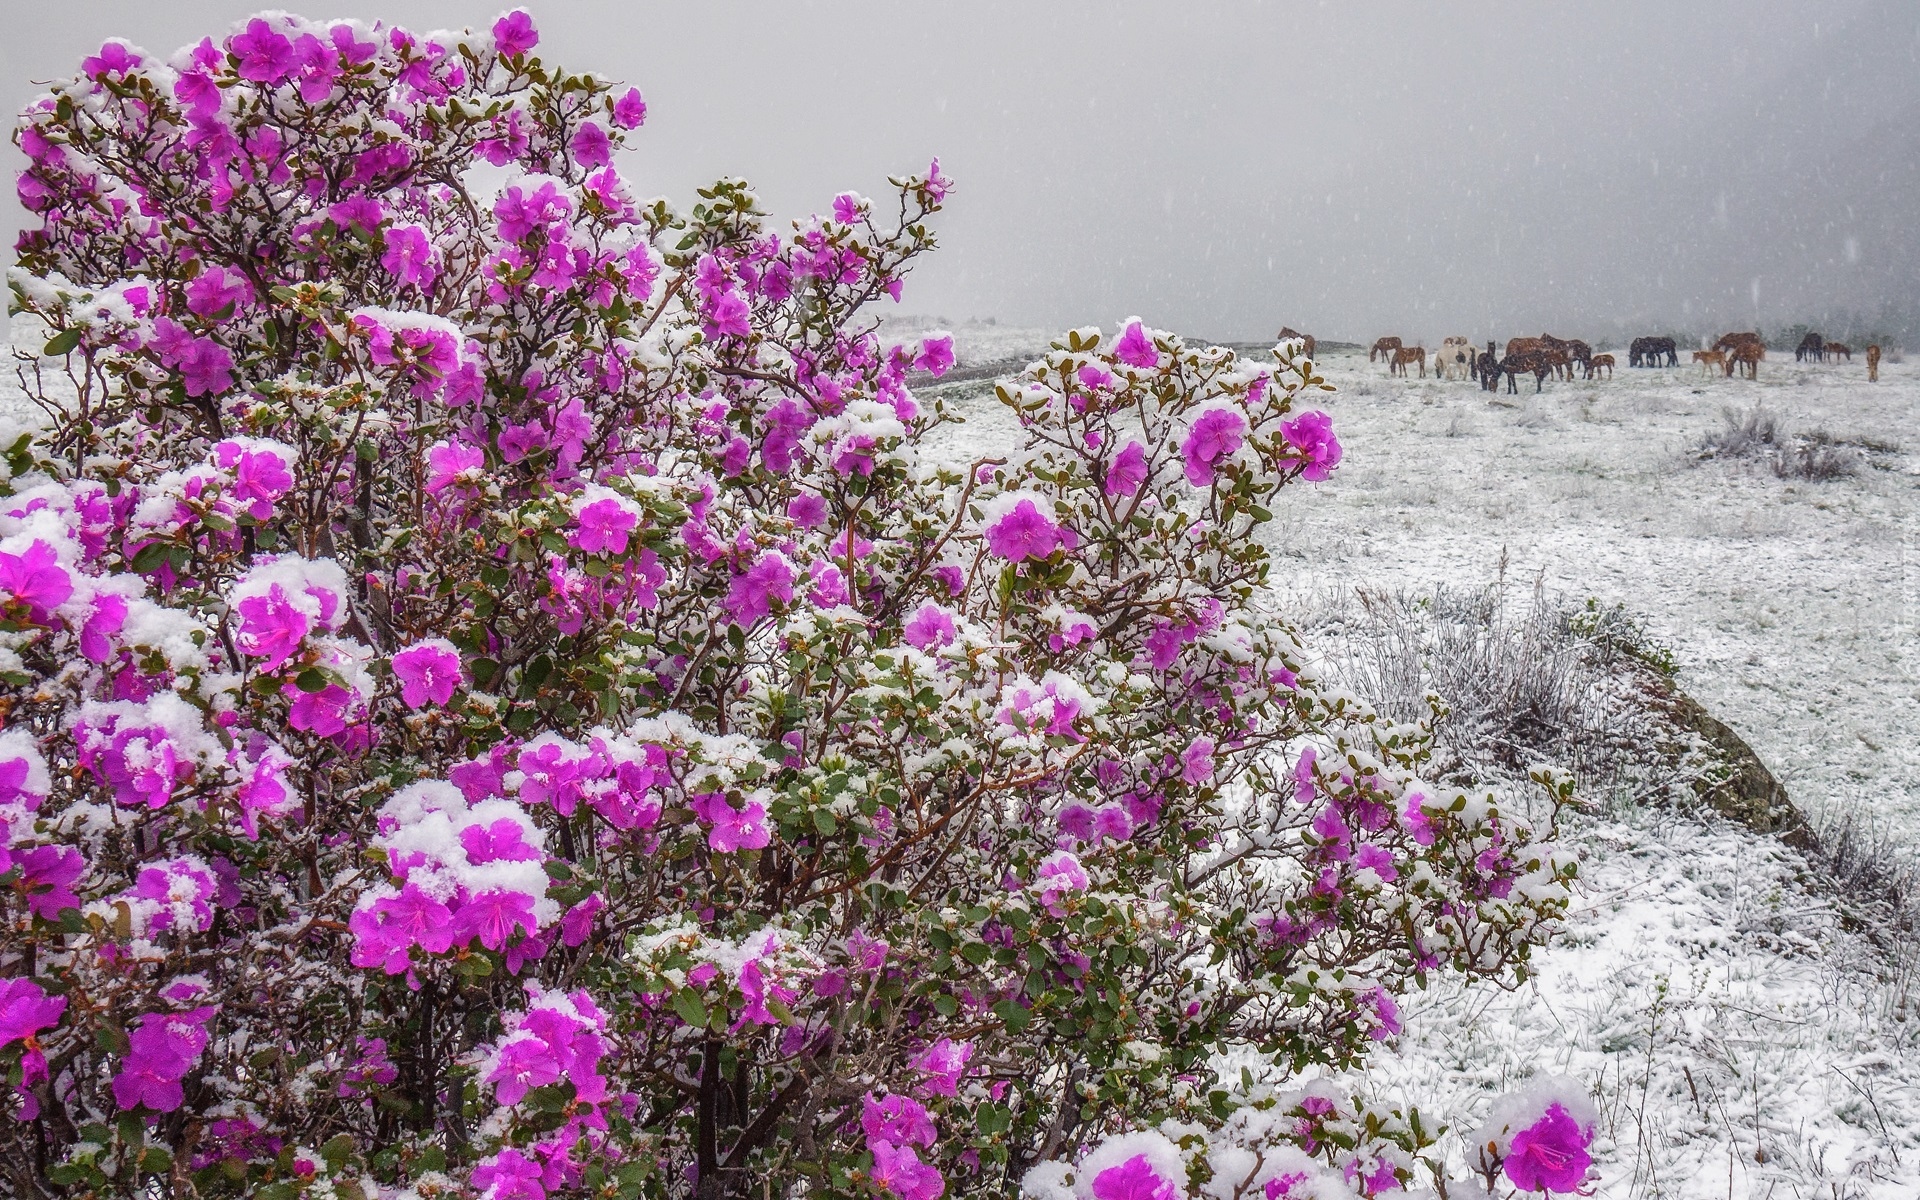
(1385, 1012)
(930, 628)
(26, 1009)
(450, 463)
(1129, 470)
(936, 355)
(47, 875)
(265, 56)
(630, 111)
(1134, 1179)
(216, 295)
(730, 828)
(114, 59)
(1216, 435)
(34, 580)
(1024, 532)
(1135, 348)
(602, 526)
(493, 916)
(509, 1175)
(727, 315)
(427, 670)
(937, 184)
(260, 474)
(900, 1171)
(1312, 434)
(514, 33)
(1551, 1154)
(270, 628)
(384, 930)
(752, 593)
(1196, 764)
(160, 1052)
(409, 256)
(591, 146)
(945, 1064)
(322, 713)
(896, 1119)
(1061, 872)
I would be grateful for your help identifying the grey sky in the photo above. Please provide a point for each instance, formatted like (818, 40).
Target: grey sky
(1348, 168)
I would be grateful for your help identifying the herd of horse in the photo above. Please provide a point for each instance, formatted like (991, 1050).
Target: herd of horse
(1548, 356)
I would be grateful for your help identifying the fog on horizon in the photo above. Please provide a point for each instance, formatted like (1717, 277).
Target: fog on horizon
(1222, 169)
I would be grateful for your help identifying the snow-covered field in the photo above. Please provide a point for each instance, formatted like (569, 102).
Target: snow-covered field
(1742, 1038)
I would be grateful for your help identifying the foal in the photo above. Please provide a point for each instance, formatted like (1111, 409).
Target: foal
(1711, 361)
(1839, 350)
(1873, 364)
(1600, 362)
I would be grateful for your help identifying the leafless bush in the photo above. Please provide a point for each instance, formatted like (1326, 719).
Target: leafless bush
(1817, 457)
(1749, 434)
(1522, 683)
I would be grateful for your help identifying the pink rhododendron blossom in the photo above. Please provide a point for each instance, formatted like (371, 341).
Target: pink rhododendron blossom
(215, 293)
(630, 110)
(322, 713)
(931, 628)
(590, 146)
(514, 33)
(899, 1170)
(1059, 874)
(427, 671)
(271, 627)
(896, 1119)
(1196, 762)
(1127, 471)
(34, 582)
(265, 56)
(26, 1009)
(936, 354)
(1550, 1155)
(1215, 436)
(1312, 434)
(1023, 532)
(1134, 1179)
(943, 1065)
(262, 472)
(409, 257)
(162, 1049)
(47, 876)
(115, 58)
(452, 464)
(752, 593)
(1135, 348)
(731, 829)
(603, 520)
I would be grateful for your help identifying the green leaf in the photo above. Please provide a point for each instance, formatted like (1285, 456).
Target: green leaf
(149, 558)
(310, 680)
(61, 343)
(689, 1008)
(824, 822)
(1013, 1016)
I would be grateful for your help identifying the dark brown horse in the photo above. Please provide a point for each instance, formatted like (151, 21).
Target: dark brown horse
(1384, 348)
(1515, 365)
(1748, 355)
(1811, 346)
(1648, 351)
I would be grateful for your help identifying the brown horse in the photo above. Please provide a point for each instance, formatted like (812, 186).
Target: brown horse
(1405, 355)
(1288, 331)
(1384, 348)
(1730, 341)
(1839, 350)
(1581, 353)
(1748, 355)
(1711, 360)
(1873, 364)
(1515, 365)
(1600, 362)
(1524, 345)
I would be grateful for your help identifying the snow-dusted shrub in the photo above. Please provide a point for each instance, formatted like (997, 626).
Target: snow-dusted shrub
(497, 703)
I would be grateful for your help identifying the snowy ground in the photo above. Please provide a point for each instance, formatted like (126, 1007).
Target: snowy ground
(1741, 1039)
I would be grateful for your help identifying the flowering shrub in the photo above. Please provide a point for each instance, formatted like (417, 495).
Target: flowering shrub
(498, 701)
